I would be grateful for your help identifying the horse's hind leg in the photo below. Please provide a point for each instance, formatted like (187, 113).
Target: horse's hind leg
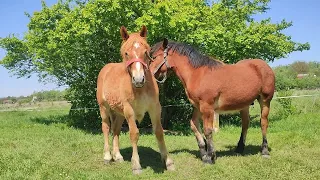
(265, 108)
(155, 115)
(195, 126)
(134, 137)
(116, 128)
(244, 113)
(105, 129)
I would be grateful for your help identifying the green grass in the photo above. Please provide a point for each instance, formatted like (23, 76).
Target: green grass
(39, 145)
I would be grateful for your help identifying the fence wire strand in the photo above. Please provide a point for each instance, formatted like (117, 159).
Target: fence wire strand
(169, 105)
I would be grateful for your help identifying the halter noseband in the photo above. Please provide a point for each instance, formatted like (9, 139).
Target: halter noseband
(165, 61)
(128, 63)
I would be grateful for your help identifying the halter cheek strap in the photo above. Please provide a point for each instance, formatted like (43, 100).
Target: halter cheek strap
(165, 61)
(128, 63)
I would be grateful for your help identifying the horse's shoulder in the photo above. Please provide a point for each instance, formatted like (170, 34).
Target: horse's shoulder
(112, 68)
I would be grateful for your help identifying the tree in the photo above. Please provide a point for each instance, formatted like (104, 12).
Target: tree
(72, 40)
(300, 67)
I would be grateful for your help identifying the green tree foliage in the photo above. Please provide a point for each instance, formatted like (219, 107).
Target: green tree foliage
(51, 95)
(71, 41)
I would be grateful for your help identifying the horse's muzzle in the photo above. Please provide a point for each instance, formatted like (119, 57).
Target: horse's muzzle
(138, 81)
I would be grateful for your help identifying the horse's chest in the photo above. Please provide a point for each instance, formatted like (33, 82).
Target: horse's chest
(141, 105)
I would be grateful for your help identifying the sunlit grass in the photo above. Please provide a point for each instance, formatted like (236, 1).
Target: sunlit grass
(40, 145)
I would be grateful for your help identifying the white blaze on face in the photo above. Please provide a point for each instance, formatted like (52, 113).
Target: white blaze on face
(138, 66)
(136, 45)
(137, 70)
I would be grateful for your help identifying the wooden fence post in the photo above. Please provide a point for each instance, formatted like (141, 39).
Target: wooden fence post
(216, 122)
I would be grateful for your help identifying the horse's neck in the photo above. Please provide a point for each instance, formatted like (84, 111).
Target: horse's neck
(183, 69)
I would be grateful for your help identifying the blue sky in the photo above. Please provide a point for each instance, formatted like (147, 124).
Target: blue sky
(304, 14)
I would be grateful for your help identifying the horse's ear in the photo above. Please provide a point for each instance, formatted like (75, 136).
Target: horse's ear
(165, 43)
(124, 33)
(143, 31)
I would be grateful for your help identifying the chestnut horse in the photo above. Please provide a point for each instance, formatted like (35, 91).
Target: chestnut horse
(214, 87)
(128, 90)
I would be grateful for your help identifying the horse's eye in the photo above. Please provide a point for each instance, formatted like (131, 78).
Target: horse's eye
(126, 54)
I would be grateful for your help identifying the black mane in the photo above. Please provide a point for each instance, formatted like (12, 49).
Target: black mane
(196, 59)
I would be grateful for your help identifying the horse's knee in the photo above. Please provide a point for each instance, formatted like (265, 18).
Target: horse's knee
(105, 127)
(134, 134)
(208, 131)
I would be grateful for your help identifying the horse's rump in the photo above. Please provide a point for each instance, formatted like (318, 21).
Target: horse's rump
(265, 73)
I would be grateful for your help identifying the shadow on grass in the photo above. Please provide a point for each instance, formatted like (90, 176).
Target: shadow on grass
(89, 128)
(65, 119)
(148, 158)
(230, 151)
(235, 120)
(53, 119)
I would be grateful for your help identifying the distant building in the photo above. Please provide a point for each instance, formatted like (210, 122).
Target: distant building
(7, 101)
(34, 99)
(300, 76)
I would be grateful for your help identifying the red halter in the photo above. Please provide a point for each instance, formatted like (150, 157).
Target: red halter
(128, 63)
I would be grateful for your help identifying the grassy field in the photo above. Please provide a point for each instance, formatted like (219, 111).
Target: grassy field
(39, 145)
(35, 106)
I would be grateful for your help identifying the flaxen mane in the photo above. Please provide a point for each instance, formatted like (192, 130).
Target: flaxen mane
(196, 59)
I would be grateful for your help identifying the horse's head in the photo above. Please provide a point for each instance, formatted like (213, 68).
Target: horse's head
(160, 64)
(135, 53)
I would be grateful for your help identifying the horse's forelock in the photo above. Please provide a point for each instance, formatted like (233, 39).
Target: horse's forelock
(134, 38)
(156, 47)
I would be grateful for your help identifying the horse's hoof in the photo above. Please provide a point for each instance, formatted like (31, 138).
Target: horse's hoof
(137, 171)
(267, 156)
(170, 167)
(119, 160)
(107, 161)
(207, 160)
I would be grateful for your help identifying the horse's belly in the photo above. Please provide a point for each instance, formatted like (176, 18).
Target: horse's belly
(229, 105)
(227, 111)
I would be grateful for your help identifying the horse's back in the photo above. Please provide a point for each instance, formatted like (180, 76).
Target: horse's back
(241, 83)
(264, 72)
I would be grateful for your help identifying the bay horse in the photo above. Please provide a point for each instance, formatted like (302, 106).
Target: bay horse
(213, 87)
(128, 90)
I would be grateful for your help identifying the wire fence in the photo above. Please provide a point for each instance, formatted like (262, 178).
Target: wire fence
(164, 106)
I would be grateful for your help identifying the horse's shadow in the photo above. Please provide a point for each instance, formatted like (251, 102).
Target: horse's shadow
(230, 151)
(148, 158)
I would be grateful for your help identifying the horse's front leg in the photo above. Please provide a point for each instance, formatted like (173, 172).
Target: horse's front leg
(155, 115)
(208, 126)
(116, 128)
(134, 137)
(105, 114)
(195, 126)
